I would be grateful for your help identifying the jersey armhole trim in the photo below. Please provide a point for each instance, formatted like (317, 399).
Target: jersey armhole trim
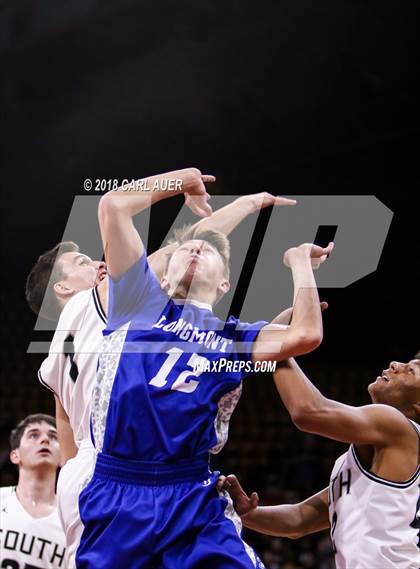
(414, 426)
(98, 305)
(383, 481)
(45, 384)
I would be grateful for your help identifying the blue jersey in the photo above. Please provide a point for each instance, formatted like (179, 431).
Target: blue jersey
(160, 393)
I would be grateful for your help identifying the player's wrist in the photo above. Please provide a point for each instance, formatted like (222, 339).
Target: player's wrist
(248, 203)
(190, 178)
(296, 256)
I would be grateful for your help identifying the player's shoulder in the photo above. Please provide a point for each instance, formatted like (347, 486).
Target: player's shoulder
(386, 412)
(393, 422)
(338, 463)
(79, 300)
(79, 306)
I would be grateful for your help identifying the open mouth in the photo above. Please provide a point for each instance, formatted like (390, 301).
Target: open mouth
(100, 275)
(44, 451)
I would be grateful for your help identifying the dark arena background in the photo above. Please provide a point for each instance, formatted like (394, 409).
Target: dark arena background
(294, 98)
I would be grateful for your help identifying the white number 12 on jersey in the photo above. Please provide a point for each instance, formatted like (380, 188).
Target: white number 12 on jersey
(183, 382)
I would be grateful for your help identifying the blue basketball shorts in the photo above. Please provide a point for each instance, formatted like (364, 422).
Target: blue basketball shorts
(145, 515)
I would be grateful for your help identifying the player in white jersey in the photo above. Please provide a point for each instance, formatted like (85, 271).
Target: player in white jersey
(31, 535)
(70, 369)
(372, 503)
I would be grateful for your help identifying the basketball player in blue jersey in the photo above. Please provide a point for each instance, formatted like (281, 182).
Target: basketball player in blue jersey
(372, 504)
(61, 283)
(152, 501)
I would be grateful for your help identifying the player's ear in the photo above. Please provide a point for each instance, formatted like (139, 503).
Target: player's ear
(62, 291)
(14, 456)
(224, 287)
(164, 283)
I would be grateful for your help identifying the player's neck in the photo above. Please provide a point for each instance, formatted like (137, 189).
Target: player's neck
(190, 293)
(36, 488)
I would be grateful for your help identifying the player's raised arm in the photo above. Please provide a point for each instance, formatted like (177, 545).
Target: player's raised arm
(377, 425)
(121, 241)
(286, 520)
(224, 220)
(277, 342)
(227, 218)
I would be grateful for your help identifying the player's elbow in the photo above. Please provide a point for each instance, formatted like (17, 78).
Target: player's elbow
(295, 535)
(306, 341)
(305, 416)
(108, 205)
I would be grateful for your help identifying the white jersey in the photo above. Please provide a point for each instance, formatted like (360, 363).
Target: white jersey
(70, 368)
(26, 541)
(73, 477)
(374, 523)
(70, 372)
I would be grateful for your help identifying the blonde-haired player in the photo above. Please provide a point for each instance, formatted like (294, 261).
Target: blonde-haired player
(67, 283)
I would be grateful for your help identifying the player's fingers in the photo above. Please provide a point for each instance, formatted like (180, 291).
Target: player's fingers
(232, 479)
(254, 499)
(235, 486)
(278, 200)
(222, 483)
(329, 249)
(198, 205)
(208, 178)
(324, 305)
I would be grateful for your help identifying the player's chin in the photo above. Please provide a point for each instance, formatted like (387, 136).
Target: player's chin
(374, 390)
(45, 458)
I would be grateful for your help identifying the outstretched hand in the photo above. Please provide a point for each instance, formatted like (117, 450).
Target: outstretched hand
(317, 254)
(242, 503)
(196, 196)
(264, 199)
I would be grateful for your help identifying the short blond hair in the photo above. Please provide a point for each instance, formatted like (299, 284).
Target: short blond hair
(216, 239)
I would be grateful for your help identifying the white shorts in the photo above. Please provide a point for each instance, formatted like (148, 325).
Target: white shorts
(73, 477)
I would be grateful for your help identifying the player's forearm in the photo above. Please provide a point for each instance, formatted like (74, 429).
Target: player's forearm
(121, 241)
(278, 521)
(304, 333)
(291, 520)
(304, 402)
(142, 194)
(227, 218)
(306, 321)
